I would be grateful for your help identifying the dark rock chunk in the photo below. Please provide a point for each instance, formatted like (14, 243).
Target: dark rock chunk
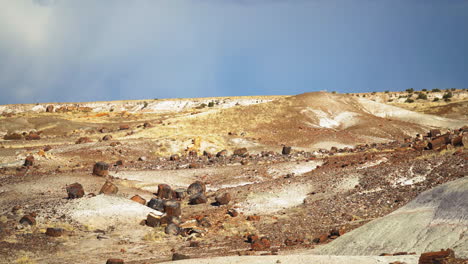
(165, 192)
(29, 161)
(101, 169)
(54, 232)
(156, 204)
(223, 198)
(198, 198)
(28, 220)
(196, 187)
(115, 261)
(177, 256)
(109, 188)
(172, 208)
(286, 150)
(75, 190)
(261, 244)
(138, 199)
(242, 152)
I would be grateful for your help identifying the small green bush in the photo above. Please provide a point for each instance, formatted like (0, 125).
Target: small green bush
(211, 104)
(436, 90)
(422, 96)
(409, 100)
(447, 95)
(410, 90)
(436, 99)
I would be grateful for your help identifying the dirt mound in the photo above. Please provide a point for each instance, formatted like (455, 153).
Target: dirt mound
(436, 219)
(318, 120)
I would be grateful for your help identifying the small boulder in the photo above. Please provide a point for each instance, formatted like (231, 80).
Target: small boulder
(28, 220)
(198, 198)
(124, 127)
(82, 140)
(54, 232)
(172, 208)
(115, 261)
(180, 193)
(286, 150)
(261, 244)
(138, 199)
(75, 190)
(29, 161)
(174, 157)
(222, 153)
(177, 256)
(109, 188)
(101, 169)
(223, 199)
(156, 204)
(107, 137)
(153, 220)
(165, 192)
(242, 152)
(196, 187)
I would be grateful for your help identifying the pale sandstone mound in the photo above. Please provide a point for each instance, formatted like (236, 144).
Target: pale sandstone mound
(436, 219)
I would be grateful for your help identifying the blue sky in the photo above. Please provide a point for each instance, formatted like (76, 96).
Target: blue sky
(88, 50)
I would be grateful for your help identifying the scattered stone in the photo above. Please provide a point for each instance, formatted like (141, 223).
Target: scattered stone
(124, 127)
(147, 125)
(54, 232)
(253, 218)
(198, 198)
(104, 130)
(165, 192)
(75, 190)
(177, 256)
(252, 237)
(115, 261)
(223, 199)
(137, 198)
(242, 152)
(119, 163)
(13, 136)
(101, 169)
(233, 212)
(16, 209)
(172, 229)
(174, 157)
(153, 220)
(172, 208)
(142, 158)
(156, 204)
(438, 257)
(261, 244)
(192, 153)
(50, 109)
(33, 136)
(222, 153)
(27, 220)
(107, 137)
(29, 161)
(286, 150)
(82, 140)
(109, 188)
(196, 187)
(194, 165)
(180, 193)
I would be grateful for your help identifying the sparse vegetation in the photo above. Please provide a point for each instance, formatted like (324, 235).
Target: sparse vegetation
(422, 96)
(410, 90)
(424, 90)
(387, 91)
(211, 104)
(447, 95)
(409, 100)
(436, 90)
(436, 99)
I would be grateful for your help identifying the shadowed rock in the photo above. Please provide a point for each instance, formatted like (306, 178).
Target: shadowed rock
(196, 187)
(101, 169)
(75, 190)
